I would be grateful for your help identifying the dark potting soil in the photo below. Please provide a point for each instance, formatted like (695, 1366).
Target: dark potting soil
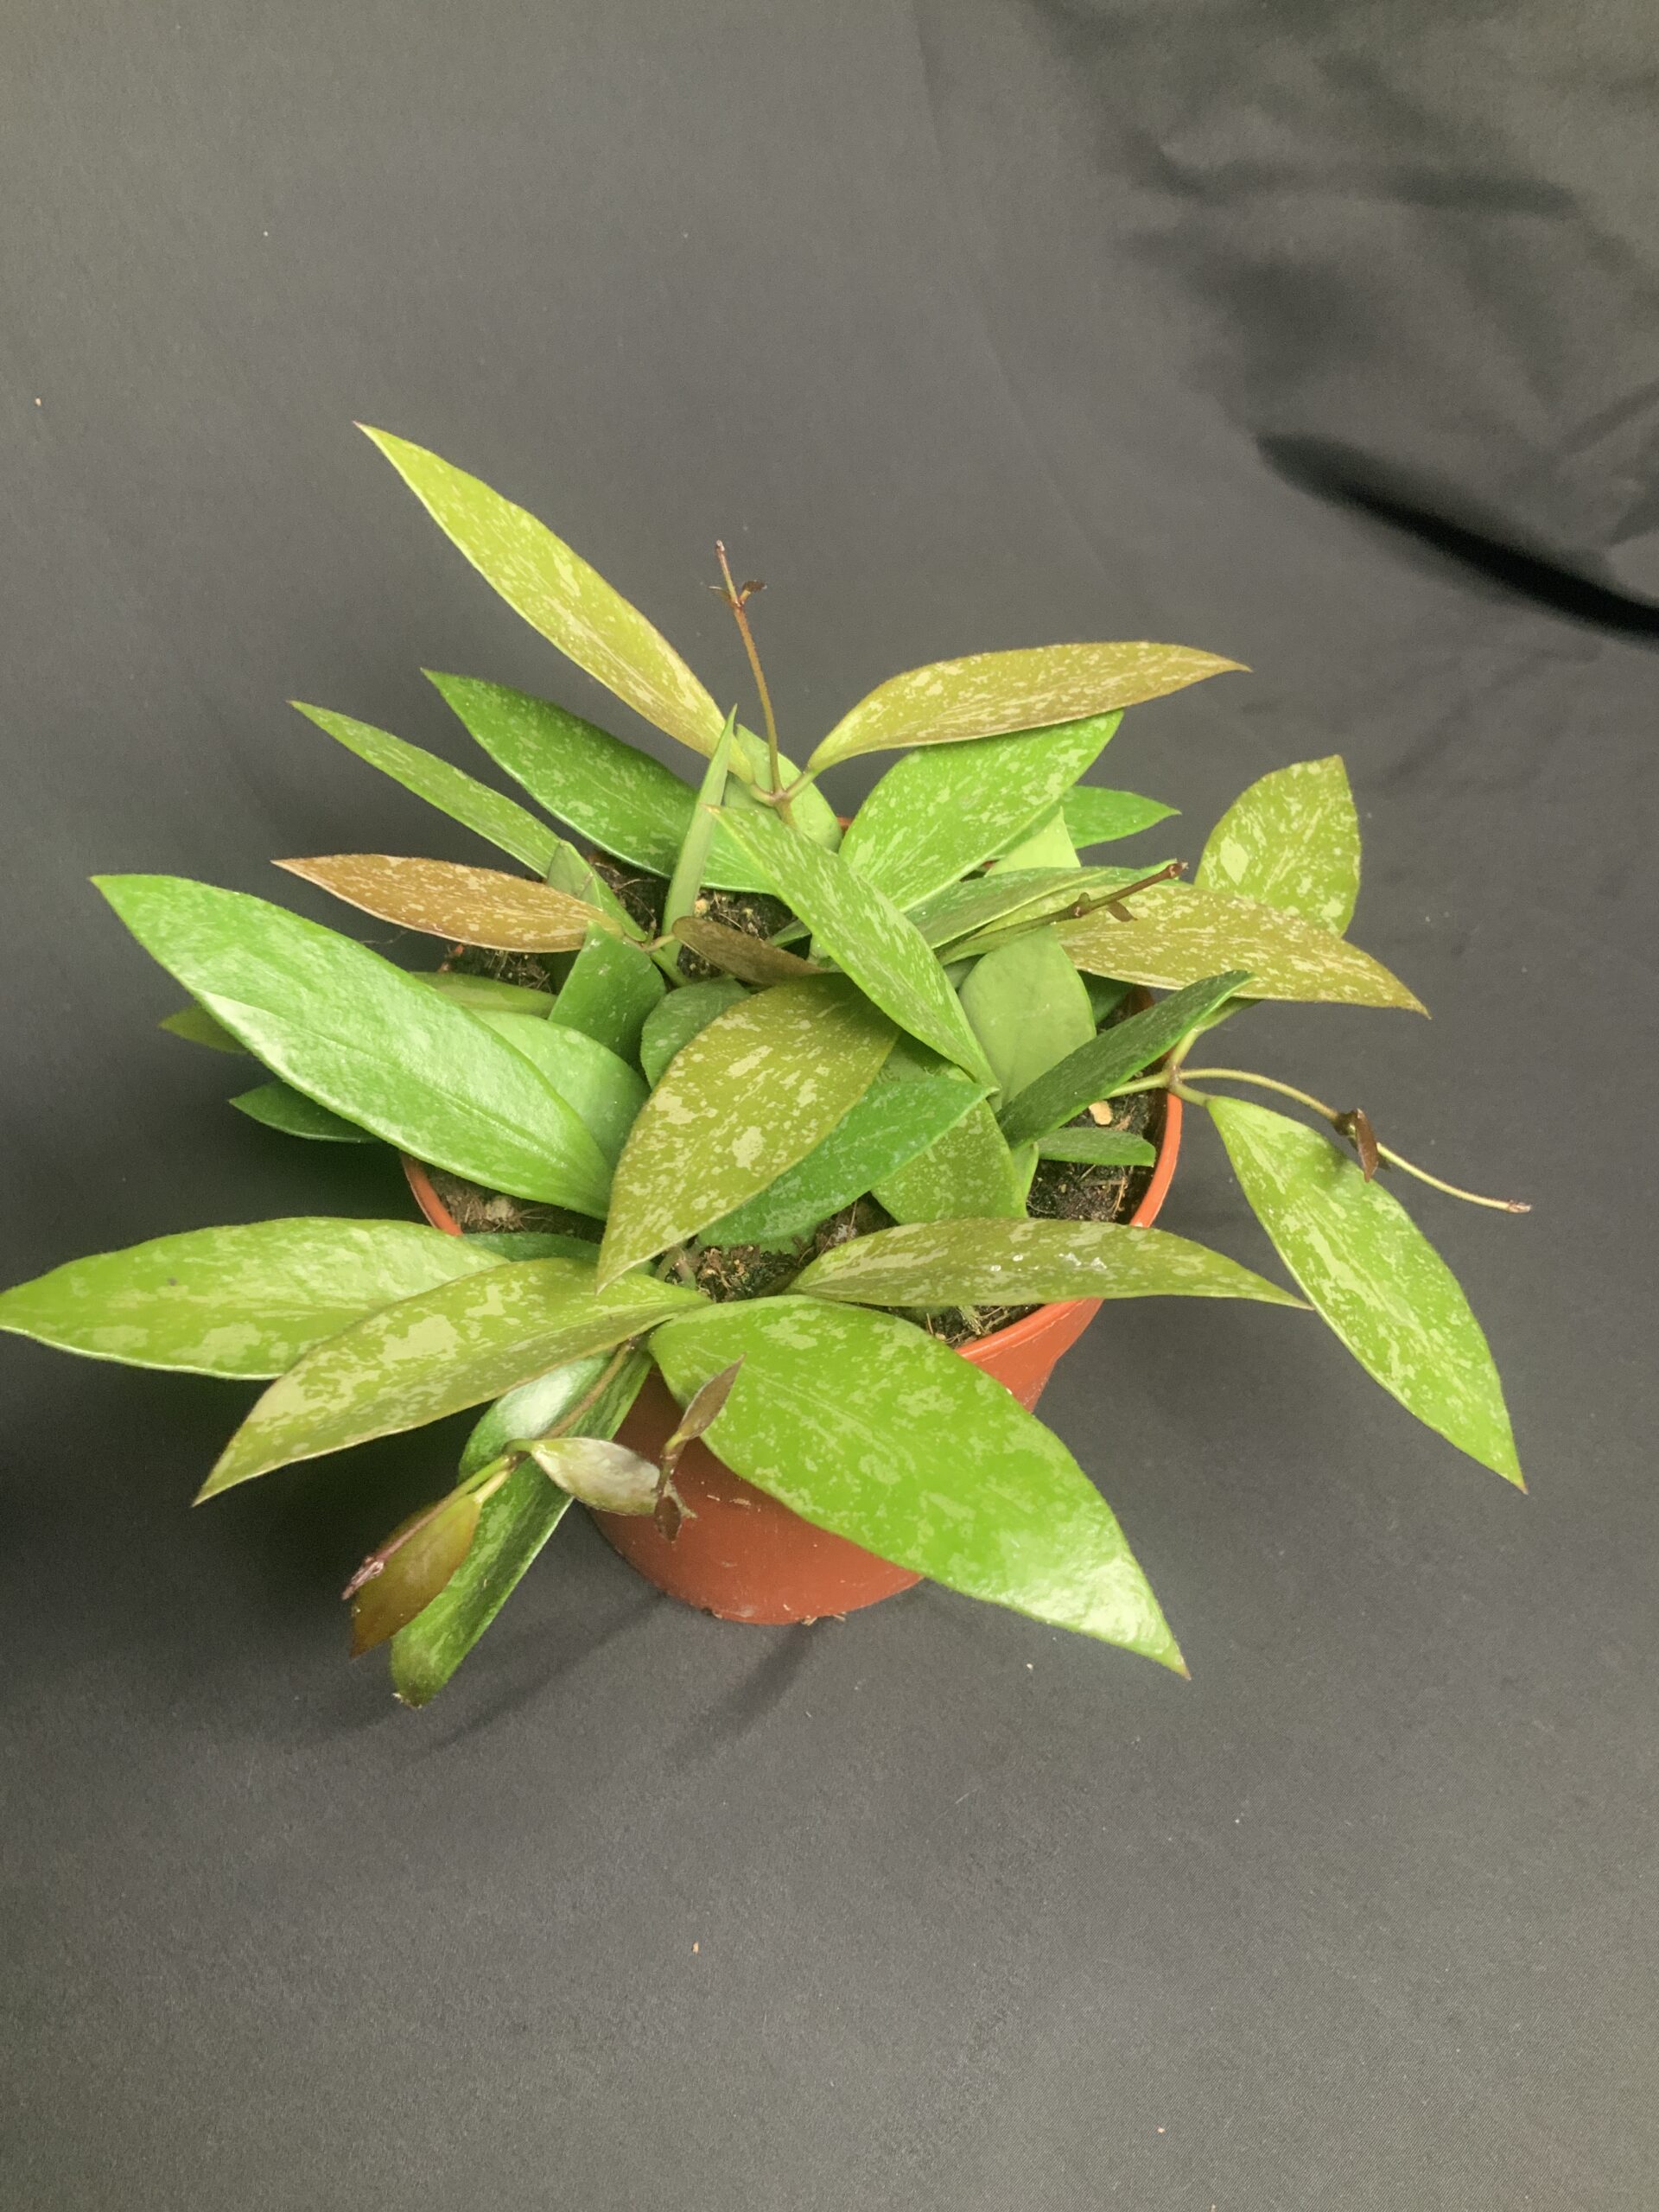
(1060, 1190)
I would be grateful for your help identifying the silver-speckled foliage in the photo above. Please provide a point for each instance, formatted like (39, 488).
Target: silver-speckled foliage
(749, 1096)
(935, 1264)
(1291, 841)
(1375, 1277)
(860, 1422)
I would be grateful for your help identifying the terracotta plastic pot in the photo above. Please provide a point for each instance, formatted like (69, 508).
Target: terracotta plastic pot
(747, 1558)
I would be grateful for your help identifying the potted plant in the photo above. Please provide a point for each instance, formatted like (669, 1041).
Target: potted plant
(736, 1125)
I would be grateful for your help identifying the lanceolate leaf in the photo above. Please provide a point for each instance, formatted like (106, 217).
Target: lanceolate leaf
(989, 693)
(862, 930)
(197, 1026)
(1097, 1148)
(1291, 841)
(557, 593)
(810, 812)
(488, 994)
(679, 1018)
(1374, 1276)
(934, 815)
(890, 1124)
(692, 859)
(516, 1523)
(604, 1090)
(968, 1171)
(869, 1428)
(533, 1244)
(478, 906)
(411, 1569)
(607, 1476)
(1113, 1057)
(360, 1036)
(1026, 1263)
(1097, 816)
(240, 1301)
(533, 1409)
(279, 1106)
(749, 1096)
(500, 822)
(1178, 934)
(569, 872)
(436, 1354)
(1028, 1008)
(1046, 844)
(611, 988)
(752, 959)
(1007, 896)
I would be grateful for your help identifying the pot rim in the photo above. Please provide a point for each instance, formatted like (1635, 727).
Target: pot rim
(1016, 1333)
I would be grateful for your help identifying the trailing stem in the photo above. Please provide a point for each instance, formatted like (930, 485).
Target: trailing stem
(735, 600)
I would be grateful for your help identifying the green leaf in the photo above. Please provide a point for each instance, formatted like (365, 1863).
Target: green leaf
(989, 693)
(984, 902)
(610, 990)
(1097, 1148)
(1113, 1057)
(557, 593)
(606, 1477)
(889, 1125)
(479, 905)
(936, 1264)
(358, 1035)
(1046, 844)
(411, 1568)
(1028, 1008)
(1291, 841)
(240, 1301)
(935, 815)
(1375, 1277)
(280, 1107)
(692, 858)
(568, 870)
(436, 1354)
(604, 1090)
(517, 1521)
(533, 1244)
(860, 928)
(488, 994)
(680, 1017)
(1097, 816)
(499, 821)
(1178, 934)
(197, 1026)
(811, 813)
(746, 1098)
(867, 1427)
(968, 1171)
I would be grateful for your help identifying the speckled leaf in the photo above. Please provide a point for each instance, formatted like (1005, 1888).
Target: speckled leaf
(1028, 1008)
(605, 1091)
(1291, 841)
(1097, 1148)
(607, 1478)
(1180, 934)
(358, 1035)
(1375, 1277)
(866, 1426)
(627, 803)
(516, 1523)
(245, 1301)
(610, 990)
(197, 1026)
(968, 1171)
(436, 1354)
(984, 901)
(1097, 816)
(487, 994)
(890, 1124)
(500, 822)
(279, 1106)
(409, 1571)
(682, 1015)
(751, 959)
(1113, 1057)
(533, 1244)
(477, 906)
(557, 593)
(989, 693)
(569, 872)
(860, 928)
(1048, 843)
(935, 815)
(809, 811)
(746, 1097)
(941, 1263)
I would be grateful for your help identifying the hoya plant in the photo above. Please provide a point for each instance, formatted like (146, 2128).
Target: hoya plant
(785, 1109)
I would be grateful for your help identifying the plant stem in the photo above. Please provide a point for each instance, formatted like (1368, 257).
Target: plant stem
(1331, 1115)
(735, 601)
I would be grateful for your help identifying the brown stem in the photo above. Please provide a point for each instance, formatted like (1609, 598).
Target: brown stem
(734, 599)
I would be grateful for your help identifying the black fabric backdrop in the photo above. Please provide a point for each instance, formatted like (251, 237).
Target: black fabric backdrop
(1321, 337)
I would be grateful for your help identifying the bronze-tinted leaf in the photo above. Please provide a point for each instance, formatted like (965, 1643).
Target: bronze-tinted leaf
(703, 1408)
(403, 1575)
(751, 959)
(475, 905)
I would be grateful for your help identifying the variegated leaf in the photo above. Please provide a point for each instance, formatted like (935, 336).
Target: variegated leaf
(1291, 841)
(476, 906)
